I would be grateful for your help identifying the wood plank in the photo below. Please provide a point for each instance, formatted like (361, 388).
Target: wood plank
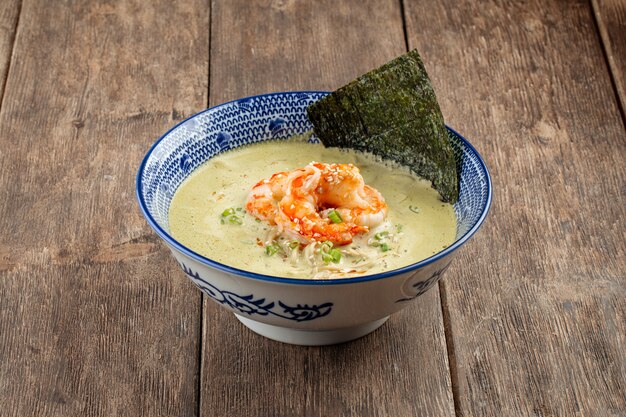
(611, 18)
(9, 12)
(94, 317)
(401, 369)
(537, 308)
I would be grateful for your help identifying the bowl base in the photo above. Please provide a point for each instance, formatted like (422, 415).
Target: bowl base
(311, 337)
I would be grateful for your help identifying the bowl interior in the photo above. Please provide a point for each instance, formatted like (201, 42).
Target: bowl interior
(272, 117)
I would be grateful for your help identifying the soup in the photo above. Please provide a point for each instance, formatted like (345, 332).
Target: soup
(209, 215)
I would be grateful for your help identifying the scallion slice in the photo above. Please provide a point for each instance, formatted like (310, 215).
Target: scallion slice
(326, 246)
(336, 255)
(271, 250)
(381, 235)
(232, 216)
(235, 220)
(334, 217)
(328, 253)
(333, 255)
(228, 212)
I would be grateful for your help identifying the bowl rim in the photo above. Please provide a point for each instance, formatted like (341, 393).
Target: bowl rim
(301, 281)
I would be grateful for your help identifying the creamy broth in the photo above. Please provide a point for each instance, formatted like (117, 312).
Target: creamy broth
(418, 224)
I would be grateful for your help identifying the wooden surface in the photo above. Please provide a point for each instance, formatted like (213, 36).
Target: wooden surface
(538, 324)
(611, 20)
(9, 12)
(96, 318)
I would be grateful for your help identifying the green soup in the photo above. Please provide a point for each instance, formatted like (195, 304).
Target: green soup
(418, 224)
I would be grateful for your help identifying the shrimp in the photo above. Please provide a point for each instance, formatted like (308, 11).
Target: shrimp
(301, 201)
(263, 198)
(343, 187)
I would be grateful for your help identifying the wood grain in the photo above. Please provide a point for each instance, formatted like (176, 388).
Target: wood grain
(94, 319)
(401, 369)
(537, 312)
(611, 18)
(9, 12)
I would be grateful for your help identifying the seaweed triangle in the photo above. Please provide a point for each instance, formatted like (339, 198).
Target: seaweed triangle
(392, 112)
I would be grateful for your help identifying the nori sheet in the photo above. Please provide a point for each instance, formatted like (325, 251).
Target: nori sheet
(392, 112)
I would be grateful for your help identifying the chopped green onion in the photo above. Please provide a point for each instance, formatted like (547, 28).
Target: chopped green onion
(384, 247)
(381, 235)
(235, 220)
(232, 216)
(294, 244)
(414, 209)
(272, 249)
(326, 246)
(328, 253)
(398, 228)
(228, 212)
(333, 255)
(334, 216)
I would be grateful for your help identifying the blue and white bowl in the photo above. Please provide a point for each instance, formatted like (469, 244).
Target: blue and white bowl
(298, 311)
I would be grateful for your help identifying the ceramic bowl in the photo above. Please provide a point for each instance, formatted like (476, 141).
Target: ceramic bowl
(298, 311)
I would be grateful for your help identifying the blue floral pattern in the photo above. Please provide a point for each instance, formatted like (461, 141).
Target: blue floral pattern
(422, 286)
(223, 140)
(185, 164)
(247, 304)
(276, 126)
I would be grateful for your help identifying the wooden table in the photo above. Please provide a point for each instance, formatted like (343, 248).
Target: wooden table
(96, 319)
